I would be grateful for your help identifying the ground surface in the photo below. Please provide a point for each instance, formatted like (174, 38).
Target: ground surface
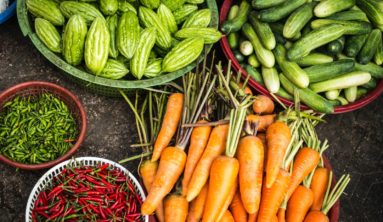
(356, 138)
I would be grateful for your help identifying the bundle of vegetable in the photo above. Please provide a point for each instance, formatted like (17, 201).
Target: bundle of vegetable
(87, 193)
(111, 38)
(36, 129)
(330, 51)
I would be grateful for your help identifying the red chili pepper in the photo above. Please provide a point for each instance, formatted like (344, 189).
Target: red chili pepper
(96, 199)
(102, 212)
(103, 167)
(42, 213)
(53, 216)
(42, 208)
(55, 191)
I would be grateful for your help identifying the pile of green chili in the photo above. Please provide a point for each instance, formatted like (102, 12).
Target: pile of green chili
(36, 129)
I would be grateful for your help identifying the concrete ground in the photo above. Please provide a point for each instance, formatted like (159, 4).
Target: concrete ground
(356, 138)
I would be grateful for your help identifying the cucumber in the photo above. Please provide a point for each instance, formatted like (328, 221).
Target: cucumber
(351, 93)
(342, 100)
(236, 23)
(271, 79)
(361, 92)
(315, 39)
(336, 46)
(263, 31)
(314, 58)
(238, 56)
(306, 29)
(332, 94)
(265, 57)
(330, 70)
(355, 78)
(335, 102)
(350, 15)
(307, 96)
(261, 4)
(253, 61)
(281, 11)
(375, 70)
(370, 47)
(354, 44)
(373, 10)
(279, 38)
(233, 12)
(351, 27)
(378, 57)
(291, 69)
(297, 20)
(328, 7)
(370, 84)
(283, 93)
(254, 74)
(246, 48)
(233, 40)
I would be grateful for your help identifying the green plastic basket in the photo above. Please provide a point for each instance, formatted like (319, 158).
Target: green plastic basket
(94, 83)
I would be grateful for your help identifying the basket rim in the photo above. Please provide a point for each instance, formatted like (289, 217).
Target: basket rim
(25, 85)
(365, 100)
(82, 159)
(24, 23)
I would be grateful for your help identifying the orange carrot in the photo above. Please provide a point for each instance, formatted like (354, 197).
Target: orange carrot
(214, 147)
(246, 90)
(262, 137)
(227, 217)
(197, 206)
(148, 170)
(278, 137)
(316, 216)
(299, 203)
(318, 186)
(274, 219)
(272, 197)
(228, 200)
(169, 124)
(263, 121)
(176, 208)
(223, 176)
(305, 161)
(170, 168)
(281, 214)
(263, 105)
(250, 156)
(237, 209)
(253, 217)
(198, 140)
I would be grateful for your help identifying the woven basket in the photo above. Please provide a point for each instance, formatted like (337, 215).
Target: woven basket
(46, 180)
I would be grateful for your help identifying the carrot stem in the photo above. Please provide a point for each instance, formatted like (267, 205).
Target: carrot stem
(135, 157)
(237, 117)
(331, 197)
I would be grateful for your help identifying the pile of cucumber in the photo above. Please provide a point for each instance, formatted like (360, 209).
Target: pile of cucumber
(330, 52)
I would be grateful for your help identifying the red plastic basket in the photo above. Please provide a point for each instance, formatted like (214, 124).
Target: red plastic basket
(229, 55)
(73, 103)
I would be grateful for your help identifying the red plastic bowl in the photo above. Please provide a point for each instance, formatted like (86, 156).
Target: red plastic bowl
(73, 103)
(229, 55)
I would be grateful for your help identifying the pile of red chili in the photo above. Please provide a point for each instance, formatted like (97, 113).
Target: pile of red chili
(88, 194)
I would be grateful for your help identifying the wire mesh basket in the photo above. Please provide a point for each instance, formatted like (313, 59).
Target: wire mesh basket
(46, 180)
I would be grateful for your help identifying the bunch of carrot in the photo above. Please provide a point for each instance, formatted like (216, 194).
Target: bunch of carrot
(248, 165)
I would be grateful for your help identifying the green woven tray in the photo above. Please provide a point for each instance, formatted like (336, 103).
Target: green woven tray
(98, 84)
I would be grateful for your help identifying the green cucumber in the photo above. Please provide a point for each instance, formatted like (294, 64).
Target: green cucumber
(307, 96)
(246, 48)
(322, 72)
(233, 40)
(342, 100)
(373, 10)
(283, 93)
(315, 39)
(351, 93)
(350, 15)
(281, 11)
(236, 23)
(368, 50)
(336, 46)
(335, 102)
(271, 79)
(297, 20)
(378, 57)
(375, 70)
(233, 12)
(253, 61)
(354, 44)
(265, 57)
(253, 72)
(261, 4)
(332, 94)
(314, 58)
(361, 92)
(328, 7)
(239, 56)
(263, 31)
(355, 78)
(370, 84)
(350, 27)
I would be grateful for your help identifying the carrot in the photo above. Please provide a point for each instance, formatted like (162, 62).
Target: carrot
(237, 209)
(278, 137)
(228, 200)
(274, 219)
(305, 161)
(250, 154)
(223, 176)
(272, 197)
(227, 217)
(253, 217)
(176, 208)
(281, 214)
(246, 90)
(214, 147)
(197, 206)
(318, 186)
(316, 216)
(148, 170)
(198, 140)
(263, 121)
(262, 137)
(169, 124)
(299, 203)
(263, 105)
(171, 165)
